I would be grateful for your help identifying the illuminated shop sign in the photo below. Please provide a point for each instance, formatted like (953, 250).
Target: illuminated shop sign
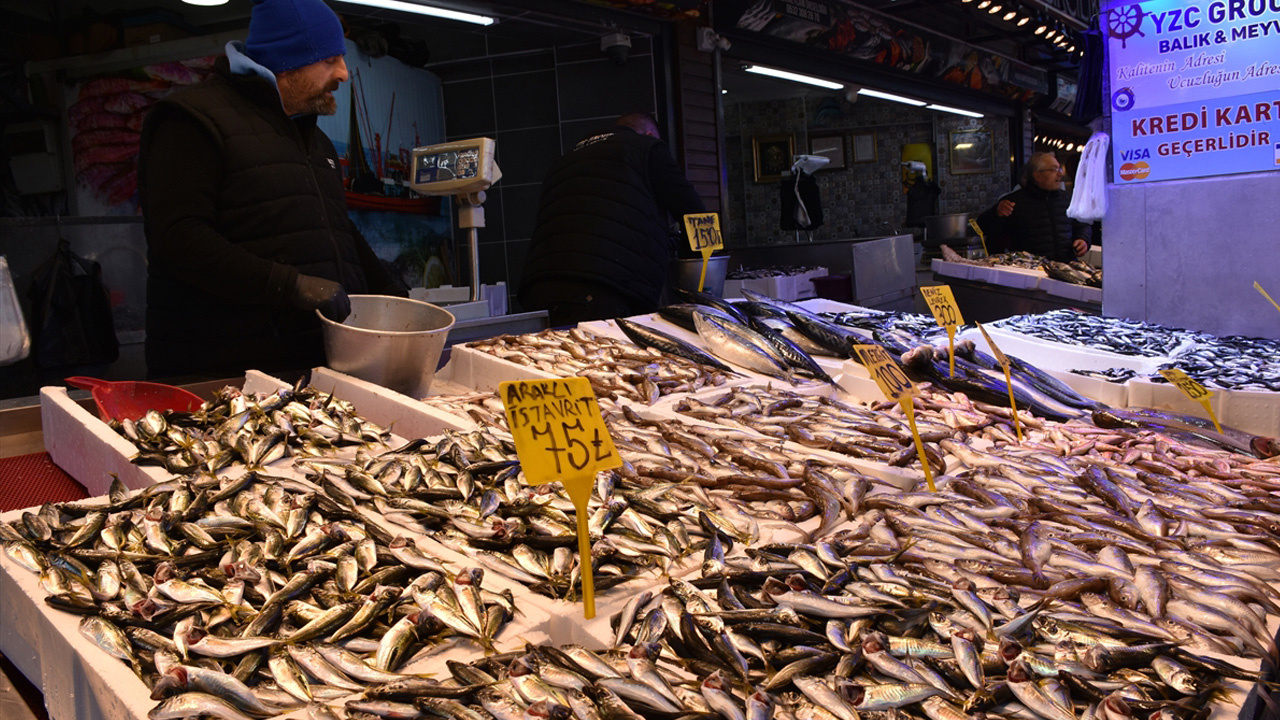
(1195, 87)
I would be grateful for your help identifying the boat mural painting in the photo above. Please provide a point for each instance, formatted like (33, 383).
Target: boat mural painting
(386, 109)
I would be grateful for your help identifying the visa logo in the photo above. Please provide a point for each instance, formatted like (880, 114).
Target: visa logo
(1135, 154)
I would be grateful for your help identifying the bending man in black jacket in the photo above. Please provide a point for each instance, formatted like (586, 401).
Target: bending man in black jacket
(1034, 217)
(245, 214)
(601, 247)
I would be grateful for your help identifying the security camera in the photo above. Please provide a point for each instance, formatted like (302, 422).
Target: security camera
(617, 46)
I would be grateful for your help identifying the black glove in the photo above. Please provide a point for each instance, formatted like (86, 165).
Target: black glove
(327, 296)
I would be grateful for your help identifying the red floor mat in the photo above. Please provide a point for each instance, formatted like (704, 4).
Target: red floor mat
(30, 480)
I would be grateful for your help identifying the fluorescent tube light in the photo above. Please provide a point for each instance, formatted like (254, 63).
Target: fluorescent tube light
(410, 7)
(793, 77)
(888, 96)
(957, 111)
(205, 3)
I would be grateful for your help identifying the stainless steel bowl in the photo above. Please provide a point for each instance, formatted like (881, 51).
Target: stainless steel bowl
(687, 272)
(390, 341)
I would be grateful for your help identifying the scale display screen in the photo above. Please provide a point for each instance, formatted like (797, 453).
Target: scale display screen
(449, 165)
(461, 166)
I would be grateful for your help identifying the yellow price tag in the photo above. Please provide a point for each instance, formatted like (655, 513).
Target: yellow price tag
(1193, 390)
(704, 237)
(1258, 287)
(973, 223)
(560, 435)
(895, 386)
(1008, 378)
(942, 303)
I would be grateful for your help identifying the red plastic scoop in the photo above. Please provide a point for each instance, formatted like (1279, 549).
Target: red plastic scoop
(132, 399)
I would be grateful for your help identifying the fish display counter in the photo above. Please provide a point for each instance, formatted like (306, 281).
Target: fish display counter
(746, 566)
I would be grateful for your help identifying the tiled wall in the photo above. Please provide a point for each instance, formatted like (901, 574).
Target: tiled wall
(537, 105)
(863, 198)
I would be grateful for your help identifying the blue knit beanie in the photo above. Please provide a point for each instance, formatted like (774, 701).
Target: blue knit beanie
(288, 34)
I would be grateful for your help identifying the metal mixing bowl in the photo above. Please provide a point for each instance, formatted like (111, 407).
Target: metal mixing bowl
(390, 341)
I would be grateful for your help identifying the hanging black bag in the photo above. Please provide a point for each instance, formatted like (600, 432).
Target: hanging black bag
(71, 320)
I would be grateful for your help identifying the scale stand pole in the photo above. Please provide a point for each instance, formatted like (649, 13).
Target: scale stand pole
(470, 217)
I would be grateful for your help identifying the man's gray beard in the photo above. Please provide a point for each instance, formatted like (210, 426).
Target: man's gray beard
(325, 104)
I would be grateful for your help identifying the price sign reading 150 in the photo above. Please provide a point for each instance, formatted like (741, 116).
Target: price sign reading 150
(704, 231)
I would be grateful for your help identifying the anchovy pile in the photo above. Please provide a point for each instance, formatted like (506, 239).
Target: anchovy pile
(254, 431)
(918, 327)
(1117, 335)
(1232, 362)
(615, 368)
(769, 272)
(251, 594)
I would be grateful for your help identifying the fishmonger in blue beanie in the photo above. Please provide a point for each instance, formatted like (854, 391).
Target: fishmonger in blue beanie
(289, 34)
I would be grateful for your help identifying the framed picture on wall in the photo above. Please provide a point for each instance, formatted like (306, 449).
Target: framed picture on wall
(864, 147)
(772, 156)
(971, 152)
(830, 147)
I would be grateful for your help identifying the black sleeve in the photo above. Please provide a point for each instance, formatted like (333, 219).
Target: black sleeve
(178, 187)
(670, 187)
(1082, 230)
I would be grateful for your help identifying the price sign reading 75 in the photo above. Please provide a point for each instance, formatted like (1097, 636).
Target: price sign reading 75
(560, 435)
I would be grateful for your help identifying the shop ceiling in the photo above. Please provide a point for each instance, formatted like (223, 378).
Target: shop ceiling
(565, 22)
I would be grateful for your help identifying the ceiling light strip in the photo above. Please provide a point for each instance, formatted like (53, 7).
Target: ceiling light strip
(949, 109)
(889, 96)
(793, 77)
(409, 7)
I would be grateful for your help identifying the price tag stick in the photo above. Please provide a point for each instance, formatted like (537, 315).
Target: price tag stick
(951, 344)
(895, 386)
(560, 435)
(1258, 287)
(973, 223)
(703, 230)
(906, 401)
(1192, 390)
(1008, 379)
(942, 303)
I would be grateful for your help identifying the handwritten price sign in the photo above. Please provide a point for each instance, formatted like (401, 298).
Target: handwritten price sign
(704, 231)
(943, 305)
(895, 386)
(560, 435)
(1193, 390)
(704, 236)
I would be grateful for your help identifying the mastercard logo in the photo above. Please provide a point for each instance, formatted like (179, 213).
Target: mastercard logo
(1135, 171)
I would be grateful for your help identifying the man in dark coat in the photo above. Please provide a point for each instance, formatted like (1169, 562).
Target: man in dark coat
(602, 243)
(1034, 217)
(245, 214)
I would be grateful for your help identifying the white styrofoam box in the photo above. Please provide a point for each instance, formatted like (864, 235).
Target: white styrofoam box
(88, 450)
(1048, 355)
(1009, 277)
(823, 305)
(476, 370)
(1071, 291)
(494, 295)
(781, 287)
(1091, 294)
(1253, 411)
(1104, 391)
(951, 269)
(390, 409)
(1093, 256)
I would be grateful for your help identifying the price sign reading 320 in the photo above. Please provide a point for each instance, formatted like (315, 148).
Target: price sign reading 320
(557, 428)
